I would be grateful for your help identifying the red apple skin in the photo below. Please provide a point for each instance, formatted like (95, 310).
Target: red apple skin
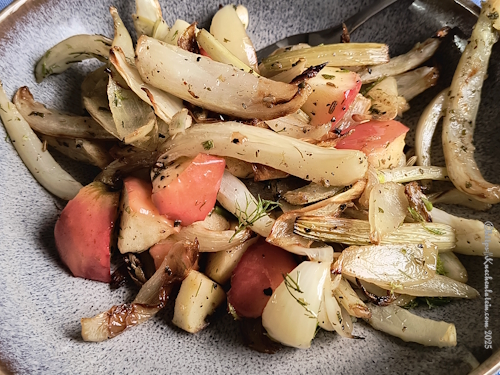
(192, 195)
(84, 231)
(257, 275)
(381, 141)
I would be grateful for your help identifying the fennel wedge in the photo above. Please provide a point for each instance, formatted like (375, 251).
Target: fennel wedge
(342, 54)
(40, 163)
(463, 104)
(357, 232)
(71, 51)
(54, 123)
(256, 145)
(215, 86)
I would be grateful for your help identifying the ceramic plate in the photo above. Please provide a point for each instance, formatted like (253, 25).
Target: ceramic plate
(41, 304)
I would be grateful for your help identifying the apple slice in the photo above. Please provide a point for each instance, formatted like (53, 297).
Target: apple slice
(381, 141)
(141, 224)
(187, 190)
(334, 90)
(259, 272)
(83, 232)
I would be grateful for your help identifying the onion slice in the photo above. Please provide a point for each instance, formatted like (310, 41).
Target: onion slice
(228, 29)
(211, 240)
(310, 194)
(54, 123)
(463, 104)
(218, 51)
(401, 323)
(40, 163)
(416, 173)
(70, 51)
(135, 121)
(296, 125)
(215, 86)
(257, 145)
(291, 314)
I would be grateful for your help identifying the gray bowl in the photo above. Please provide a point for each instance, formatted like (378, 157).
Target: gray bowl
(41, 303)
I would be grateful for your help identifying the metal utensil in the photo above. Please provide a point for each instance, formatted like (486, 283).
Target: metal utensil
(330, 35)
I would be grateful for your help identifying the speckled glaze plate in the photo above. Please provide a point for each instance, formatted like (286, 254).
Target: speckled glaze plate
(41, 303)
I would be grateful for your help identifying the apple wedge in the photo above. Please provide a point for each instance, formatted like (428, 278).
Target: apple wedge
(334, 90)
(84, 231)
(198, 297)
(141, 224)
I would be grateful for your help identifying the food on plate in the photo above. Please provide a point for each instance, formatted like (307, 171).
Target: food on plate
(280, 191)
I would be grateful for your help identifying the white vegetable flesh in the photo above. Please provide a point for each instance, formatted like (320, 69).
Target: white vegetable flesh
(229, 30)
(411, 84)
(401, 323)
(389, 266)
(342, 54)
(291, 314)
(282, 235)
(439, 286)
(463, 104)
(357, 232)
(402, 63)
(350, 301)
(213, 85)
(470, 234)
(54, 123)
(82, 150)
(455, 196)
(234, 196)
(164, 104)
(122, 37)
(197, 299)
(147, 12)
(384, 97)
(40, 163)
(426, 127)
(387, 210)
(176, 31)
(333, 317)
(221, 264)
(297, 125)
(415, 173)
(257, 145)
(135, 121)
(218, 51)
(453, 268)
